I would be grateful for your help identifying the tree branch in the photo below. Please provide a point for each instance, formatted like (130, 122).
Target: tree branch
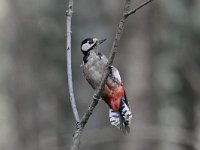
(69, 13)
(137, 8)
(80, 126)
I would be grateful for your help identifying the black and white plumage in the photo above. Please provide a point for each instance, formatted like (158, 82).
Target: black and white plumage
(114, 95)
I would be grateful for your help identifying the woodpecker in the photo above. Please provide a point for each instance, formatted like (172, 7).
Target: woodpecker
(113, 94)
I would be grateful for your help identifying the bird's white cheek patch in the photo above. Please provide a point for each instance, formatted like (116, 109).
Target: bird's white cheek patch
(86, 46)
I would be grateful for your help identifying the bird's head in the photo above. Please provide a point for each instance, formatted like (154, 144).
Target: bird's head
(90, 43)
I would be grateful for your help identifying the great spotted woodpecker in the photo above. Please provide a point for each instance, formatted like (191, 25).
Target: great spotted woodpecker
(114, 92)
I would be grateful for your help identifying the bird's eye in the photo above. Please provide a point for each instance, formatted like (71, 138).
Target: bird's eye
(90, 42)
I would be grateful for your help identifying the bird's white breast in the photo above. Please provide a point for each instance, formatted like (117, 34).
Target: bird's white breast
(94, 69)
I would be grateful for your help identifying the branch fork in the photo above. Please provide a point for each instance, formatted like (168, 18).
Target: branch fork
(69, 11)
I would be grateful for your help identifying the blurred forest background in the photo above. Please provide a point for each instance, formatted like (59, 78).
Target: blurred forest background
(159, 61)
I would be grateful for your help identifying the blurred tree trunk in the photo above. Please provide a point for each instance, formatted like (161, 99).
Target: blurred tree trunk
(24, 104)
(177, 97)
(38, 116)
(140, 67)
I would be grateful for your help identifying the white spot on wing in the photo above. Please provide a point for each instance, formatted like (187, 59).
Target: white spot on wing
(116, 74)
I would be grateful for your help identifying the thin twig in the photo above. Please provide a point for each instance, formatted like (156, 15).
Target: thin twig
(69, 13)
(79, 128)
(137, 8)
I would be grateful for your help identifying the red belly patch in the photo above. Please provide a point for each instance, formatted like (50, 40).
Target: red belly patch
(113, 95)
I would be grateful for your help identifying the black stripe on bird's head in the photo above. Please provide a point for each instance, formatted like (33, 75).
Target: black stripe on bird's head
(89, 44)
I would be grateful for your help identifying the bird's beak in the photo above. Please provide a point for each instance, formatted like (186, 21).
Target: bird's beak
(101, 41)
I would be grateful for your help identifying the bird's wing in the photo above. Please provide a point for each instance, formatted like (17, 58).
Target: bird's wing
(115, 74)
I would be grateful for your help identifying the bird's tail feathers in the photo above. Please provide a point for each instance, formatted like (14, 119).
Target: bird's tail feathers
(126, 113)
(122, 118)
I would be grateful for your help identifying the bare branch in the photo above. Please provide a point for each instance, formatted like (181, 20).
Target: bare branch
(137, 8)
(68, 53)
